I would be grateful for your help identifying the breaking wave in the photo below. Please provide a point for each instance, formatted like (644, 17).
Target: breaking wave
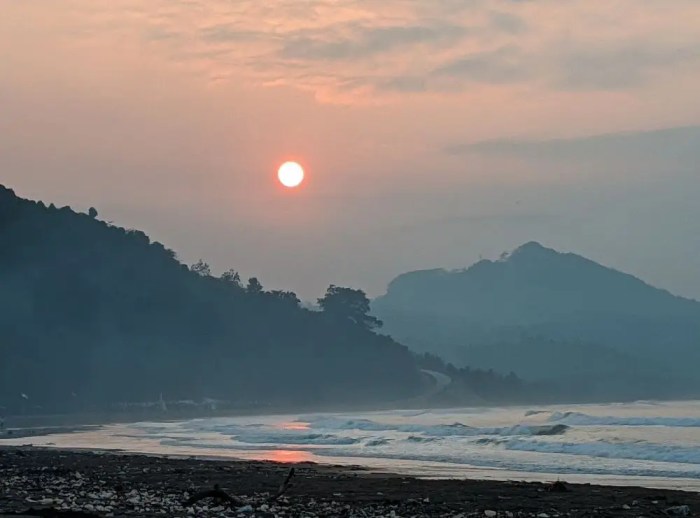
(580, 419)
(442, 430)
(614, 440)
(419, 439)
(294, 438)
(378, 442)
(619, 450)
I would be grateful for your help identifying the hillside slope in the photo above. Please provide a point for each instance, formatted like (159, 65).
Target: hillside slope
(548, 315)
(92, 315)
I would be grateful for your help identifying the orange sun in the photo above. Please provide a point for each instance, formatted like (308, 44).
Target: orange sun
(290, 174)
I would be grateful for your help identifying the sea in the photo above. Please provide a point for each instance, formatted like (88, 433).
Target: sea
(646, 443)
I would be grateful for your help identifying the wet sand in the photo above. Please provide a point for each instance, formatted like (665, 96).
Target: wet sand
(46, 482)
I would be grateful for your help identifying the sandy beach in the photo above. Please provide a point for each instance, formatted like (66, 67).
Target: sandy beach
(46, 482)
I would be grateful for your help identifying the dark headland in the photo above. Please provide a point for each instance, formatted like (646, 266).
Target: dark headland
(39, 482)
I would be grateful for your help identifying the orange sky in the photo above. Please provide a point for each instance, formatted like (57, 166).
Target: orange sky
(172, 116)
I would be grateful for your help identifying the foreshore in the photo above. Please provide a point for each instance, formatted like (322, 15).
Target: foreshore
(52, 482)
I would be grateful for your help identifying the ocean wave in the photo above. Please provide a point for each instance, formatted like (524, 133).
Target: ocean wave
(336, 423)
(442, 430)
(580, 419)
(554, 466)
(229, 446)
(419, 439)
(378, 442)
(295, 438)
(535, 412)
(609, 450)
(543, 429)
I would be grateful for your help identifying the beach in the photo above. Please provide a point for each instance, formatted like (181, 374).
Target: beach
(54, 482)
(647, 444)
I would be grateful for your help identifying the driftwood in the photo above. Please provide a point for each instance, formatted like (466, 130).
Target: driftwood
(285, 485)
(222, 496)
(217, 494)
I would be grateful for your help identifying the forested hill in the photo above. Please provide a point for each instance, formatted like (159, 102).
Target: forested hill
(92, 314)
(551, 316)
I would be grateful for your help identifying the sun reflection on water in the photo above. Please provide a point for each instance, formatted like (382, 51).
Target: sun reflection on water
(285, 456)
(293, 425)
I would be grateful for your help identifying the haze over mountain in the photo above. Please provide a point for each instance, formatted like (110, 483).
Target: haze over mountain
(550, 316)
(93, 315)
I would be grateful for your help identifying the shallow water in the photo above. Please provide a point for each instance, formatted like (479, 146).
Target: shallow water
(643, 443)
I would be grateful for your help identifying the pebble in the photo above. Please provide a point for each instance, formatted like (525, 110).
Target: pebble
(70, 490)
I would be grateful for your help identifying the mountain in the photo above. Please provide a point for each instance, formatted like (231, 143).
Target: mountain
(92, 315)
(549, 316)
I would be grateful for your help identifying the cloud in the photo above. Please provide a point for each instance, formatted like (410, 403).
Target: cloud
(611, 68)
(403, 84)
(504, 65)
(225, 33)
(355, 50)
(508, 22)
(368, 41)
(674, 148)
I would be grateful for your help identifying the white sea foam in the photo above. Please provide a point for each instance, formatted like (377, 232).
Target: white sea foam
(660, 441)
(295, 438)
(441, 430)
(380, 441)
(548, 464)
(619, 450)
(581, 419)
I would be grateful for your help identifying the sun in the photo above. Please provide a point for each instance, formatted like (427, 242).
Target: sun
(290, 174)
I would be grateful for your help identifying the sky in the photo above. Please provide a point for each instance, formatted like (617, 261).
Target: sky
(433, 132)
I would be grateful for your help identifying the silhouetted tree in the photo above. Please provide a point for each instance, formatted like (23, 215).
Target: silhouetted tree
(286, 296)
(348, 304)
(92, 213)
(201, 268)
(254, 286)
(232, 277)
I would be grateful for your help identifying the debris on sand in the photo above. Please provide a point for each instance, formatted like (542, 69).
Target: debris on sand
(71, 484)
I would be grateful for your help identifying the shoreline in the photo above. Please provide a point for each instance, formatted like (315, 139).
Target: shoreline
(115, 437)
(108, 483)
(86, 419)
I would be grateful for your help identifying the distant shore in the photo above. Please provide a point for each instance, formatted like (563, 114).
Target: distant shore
(43, 482)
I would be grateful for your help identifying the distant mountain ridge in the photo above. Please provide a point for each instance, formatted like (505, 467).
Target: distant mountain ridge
(536, 295)
(566, 282)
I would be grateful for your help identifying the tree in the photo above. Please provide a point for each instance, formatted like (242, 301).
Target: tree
(348, 304)
(286, 296)
(201, 268)
(92, 212)
(254, 286)
(232, 277)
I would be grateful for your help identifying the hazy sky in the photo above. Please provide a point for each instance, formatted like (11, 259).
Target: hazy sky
(432, 131)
